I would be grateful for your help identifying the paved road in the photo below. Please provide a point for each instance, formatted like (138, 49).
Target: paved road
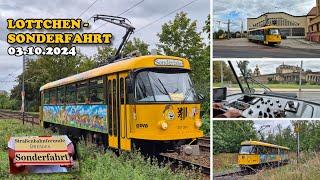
(289, 48)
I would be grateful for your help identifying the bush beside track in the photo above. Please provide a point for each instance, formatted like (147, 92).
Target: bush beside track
(94, 164)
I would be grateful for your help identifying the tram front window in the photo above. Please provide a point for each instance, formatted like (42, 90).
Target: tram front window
(274, 31)
(155, 86)
(247, 150)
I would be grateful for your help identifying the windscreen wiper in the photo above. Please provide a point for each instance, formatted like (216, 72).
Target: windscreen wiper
(166, 91)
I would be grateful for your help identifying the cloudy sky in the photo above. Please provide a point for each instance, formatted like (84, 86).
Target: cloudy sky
(240, 10)
(273, 125)
(144, 13)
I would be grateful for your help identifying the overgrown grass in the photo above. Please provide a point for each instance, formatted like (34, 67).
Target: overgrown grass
(308, 168)
(93, 163)
(223, 162)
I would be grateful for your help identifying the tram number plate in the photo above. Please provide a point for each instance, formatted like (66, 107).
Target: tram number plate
(141, 125)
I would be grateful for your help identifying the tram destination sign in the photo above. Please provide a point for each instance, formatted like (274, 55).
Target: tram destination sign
(168, 62)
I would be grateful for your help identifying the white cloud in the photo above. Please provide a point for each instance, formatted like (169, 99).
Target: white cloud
(254, 8)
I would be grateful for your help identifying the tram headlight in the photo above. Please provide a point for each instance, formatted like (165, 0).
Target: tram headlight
(163, 125)
(197, 123)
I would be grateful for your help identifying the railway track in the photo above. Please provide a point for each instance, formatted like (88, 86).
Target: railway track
(30, 118)
(200, 162)
(204, 143)
(236, 173)
(242, 172)
(177, 162)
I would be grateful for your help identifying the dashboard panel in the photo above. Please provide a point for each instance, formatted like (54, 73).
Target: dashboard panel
(267, 106)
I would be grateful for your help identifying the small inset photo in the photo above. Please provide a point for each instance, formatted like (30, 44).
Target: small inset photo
(41, 154)
(264, 149)
(275, 88)
(266, 29)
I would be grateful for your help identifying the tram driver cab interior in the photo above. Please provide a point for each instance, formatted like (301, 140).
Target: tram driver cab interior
(266, 104)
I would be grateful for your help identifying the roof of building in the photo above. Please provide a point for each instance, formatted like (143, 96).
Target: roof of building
(264, 27)
(312, 12)
(259, 143)
(276, 13)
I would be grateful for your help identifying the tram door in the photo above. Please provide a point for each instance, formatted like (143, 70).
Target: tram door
(125, 142)
(113, 115)
(117, 121)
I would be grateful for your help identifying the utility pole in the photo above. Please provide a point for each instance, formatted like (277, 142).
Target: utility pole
(23, 91)
(297, 131)
(266, 19)
(300, 77)
(241, 29)
(298, 141)
(228, 28)
(221, 73)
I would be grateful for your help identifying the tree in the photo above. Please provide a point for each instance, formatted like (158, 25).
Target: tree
(227, 72)
(47, 69)
(217, 34)
(104, 53)
(243, 66)
(136, 44)
(206, 28)
(180, 38)
(5, 102)
(228, 135)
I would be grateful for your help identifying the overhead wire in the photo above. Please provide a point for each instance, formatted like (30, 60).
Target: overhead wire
(133, 6)
(87, 8)
(178, 9)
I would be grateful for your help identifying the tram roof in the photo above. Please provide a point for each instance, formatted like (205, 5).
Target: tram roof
(265, 27)
(259, 143)
(150, 61)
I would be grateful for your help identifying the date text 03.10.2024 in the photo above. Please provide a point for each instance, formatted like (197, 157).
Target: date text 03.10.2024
(31, 50)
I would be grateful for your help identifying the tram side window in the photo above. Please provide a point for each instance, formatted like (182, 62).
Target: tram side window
(115, 118)
(61, 95)
(46, 97)
(264, 150)
(109, 92)
(122, 95)
(53, 96)
(82, 92)
(96, 90)
(71, 93)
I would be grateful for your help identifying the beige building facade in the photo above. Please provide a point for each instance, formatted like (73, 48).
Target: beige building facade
(290, 25)
(287, 74)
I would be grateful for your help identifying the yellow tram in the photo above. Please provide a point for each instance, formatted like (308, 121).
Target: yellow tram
(257, 154)
(268, 35)
(146, 102)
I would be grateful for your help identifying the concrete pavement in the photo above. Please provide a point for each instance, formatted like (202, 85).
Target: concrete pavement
(242, 48)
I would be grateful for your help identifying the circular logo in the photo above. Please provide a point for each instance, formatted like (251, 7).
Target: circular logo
(170, 115)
